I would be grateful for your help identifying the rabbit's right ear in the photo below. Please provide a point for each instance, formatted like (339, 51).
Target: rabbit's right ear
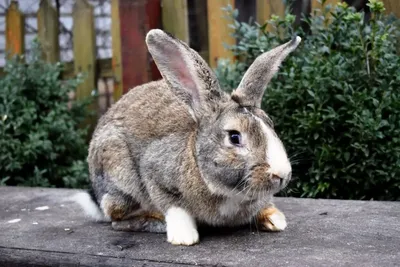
(251, 89)
(184, 70)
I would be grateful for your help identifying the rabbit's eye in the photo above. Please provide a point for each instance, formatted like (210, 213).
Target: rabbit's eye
(235, 138)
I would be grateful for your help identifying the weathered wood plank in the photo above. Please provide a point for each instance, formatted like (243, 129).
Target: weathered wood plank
(317, 3)
(133, 47)
(198, 28)
(84, 47)
(116, 50)
(266, 8)
(103, 69)
(48, 29)
(136, 19)
(16, 257)
(319, 233)
(175, 18)
(15, 30)
(218, 31)
(392, 7)
(153, 11)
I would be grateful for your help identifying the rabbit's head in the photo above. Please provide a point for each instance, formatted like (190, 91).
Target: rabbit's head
(237, 149)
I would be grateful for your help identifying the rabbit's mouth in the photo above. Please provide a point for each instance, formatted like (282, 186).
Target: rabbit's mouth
(262, 179)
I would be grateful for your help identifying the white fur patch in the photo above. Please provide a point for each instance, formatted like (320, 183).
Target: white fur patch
(279, 221)
(276, 154)
(89, 207)
(181, 227)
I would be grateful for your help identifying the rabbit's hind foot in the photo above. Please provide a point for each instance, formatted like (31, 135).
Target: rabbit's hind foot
(144, 222)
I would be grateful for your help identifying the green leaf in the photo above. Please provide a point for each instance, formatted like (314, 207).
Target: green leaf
(311, 93)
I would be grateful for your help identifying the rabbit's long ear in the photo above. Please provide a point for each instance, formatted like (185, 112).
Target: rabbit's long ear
(184, 69)
(257, 77)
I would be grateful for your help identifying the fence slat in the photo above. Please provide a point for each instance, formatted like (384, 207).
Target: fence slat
(136, 19)
(392, 6)
(116, 50)
(84, 46)
(153, 21)
(199, 36)
(48, 31)
(15, 30)
(316, 3)
(266, 8)
(175, 18)
(218, 31)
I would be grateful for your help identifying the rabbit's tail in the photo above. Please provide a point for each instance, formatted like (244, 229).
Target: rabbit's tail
(87, 201)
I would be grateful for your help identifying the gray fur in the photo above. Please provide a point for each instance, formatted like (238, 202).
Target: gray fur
(254, 82)
(162, 145)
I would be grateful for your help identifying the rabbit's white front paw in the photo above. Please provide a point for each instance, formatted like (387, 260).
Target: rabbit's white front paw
(181, 227)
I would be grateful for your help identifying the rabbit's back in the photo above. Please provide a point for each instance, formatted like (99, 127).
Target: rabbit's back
(150, 111)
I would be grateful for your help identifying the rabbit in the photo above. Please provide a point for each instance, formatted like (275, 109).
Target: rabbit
(179, 152)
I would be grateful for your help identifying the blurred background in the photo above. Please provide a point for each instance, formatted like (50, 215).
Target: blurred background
(94, 51)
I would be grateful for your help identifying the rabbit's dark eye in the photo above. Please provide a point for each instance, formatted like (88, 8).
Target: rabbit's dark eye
(235, 138)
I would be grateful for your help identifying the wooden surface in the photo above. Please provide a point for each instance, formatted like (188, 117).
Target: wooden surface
(84, 47)
(266, 8)
(319, 233)
(392, 7)
(175, 18)
(199, 28)
(103, 69)
(136, 19)
(317, 3)
(48, 30)
(153, 21)
(116, 50)
(218, 31)
(15, 30)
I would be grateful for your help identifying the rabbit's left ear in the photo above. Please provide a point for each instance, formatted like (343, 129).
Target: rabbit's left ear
(183, 68)
(257, 77)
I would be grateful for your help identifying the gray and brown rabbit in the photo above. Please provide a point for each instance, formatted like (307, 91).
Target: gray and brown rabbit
(180, 151)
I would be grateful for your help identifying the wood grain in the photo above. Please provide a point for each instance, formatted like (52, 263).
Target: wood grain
(218, 31)
(175, 18)
(48, 30)
(15, 30)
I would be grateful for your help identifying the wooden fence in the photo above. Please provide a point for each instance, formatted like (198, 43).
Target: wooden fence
(200, 23)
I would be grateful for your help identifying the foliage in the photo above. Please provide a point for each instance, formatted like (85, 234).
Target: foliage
(335, 101)
(41, 143)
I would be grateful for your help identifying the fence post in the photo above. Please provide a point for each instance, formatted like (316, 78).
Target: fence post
(392, 6)
(198, 39)
(153, 15)
(116, 50)
(266, 8)
(317, 3)
(48, 31)
(84, 47)
(15, 30)
(175, 18)
(136, 19)
(218, 31)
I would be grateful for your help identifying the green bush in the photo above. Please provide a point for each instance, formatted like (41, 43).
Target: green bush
(335, 100)
(40, 141)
